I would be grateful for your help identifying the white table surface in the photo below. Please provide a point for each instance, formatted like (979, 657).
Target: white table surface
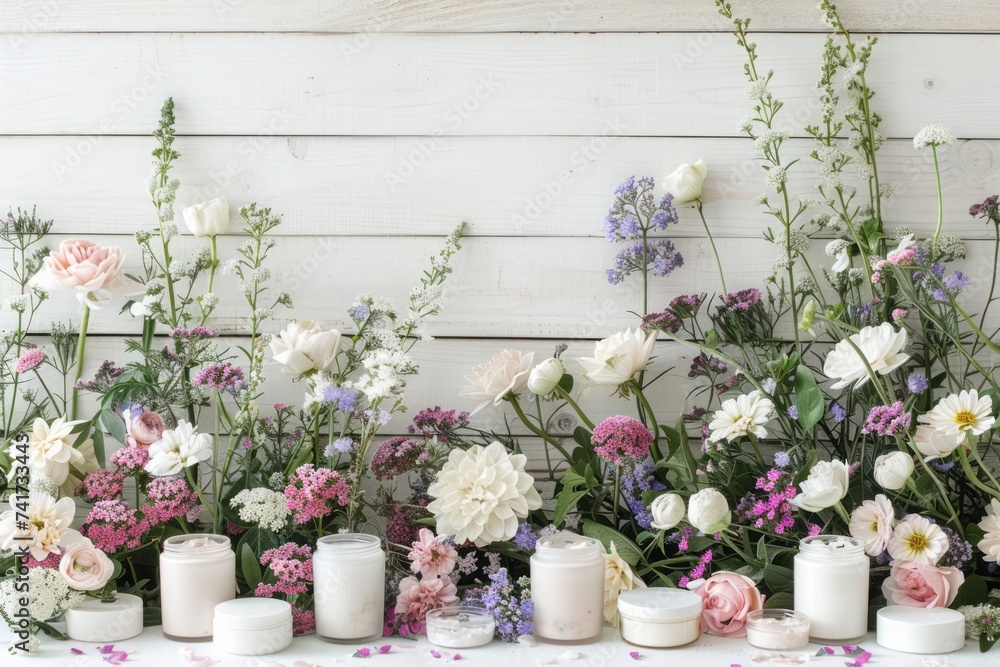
(150, 648)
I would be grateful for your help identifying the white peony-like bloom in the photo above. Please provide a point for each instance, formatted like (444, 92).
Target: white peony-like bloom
(618, 578)
(935, 444)
(917, 539)
(892, 470)
(990, 525)
(261, 506)
(503, 375)
(741, 416)
(304, 347)
(178, 449)
(545, 377)
(480, 493)
(685, 182)
(619, 358)
(825, 487)
(708, 511)
(872, 523)
(667, 510)
(51, 453)
(933, 135)
(882, 348)
(48, 526)
(960, 414)
(209, 218)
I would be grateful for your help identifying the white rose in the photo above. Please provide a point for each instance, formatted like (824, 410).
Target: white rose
(708, 511)
(667, 510)
(881, 346)
(990, 525)
(209, 218)
(825, 487)
(303, 347)
(893, 469)
(685, 182)
(504, 374)
(618, 358)
(934, 443)
(545, 377)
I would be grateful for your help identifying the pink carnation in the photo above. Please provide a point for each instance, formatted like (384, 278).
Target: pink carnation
(432, 557)
(29, 360)
(920, 585)
(621, 439)
(416, 598)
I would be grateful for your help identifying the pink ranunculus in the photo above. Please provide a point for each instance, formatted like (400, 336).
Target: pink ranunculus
(143, 429)
(85, 567)
(920, 585)
(87, 268)
(431, 557)
(726, 599)
(416, 598)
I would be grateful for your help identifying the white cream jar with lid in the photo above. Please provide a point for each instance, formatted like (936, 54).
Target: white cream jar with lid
(920, 630)
(253, 626)
(460, 627)
(349, 584)
(831, 587)
(197, 572)
(567, 587)
(659, 617)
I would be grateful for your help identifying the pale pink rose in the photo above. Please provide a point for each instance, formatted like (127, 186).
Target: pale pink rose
(918, 585)
(431, 557)
(88, 269)
(143, 430)
(85, 567)
(726, 599)
(416, 598)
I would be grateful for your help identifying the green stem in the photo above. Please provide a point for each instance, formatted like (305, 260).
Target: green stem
(215, 261)
(614, 510)
(655, 447)
(963, 459)
(201, 496)
(81, 346)
(711, 241)
(534, 429)
(573, 404)
(940, 194)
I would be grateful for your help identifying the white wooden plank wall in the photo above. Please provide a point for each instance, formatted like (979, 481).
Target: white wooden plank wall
(376, 126)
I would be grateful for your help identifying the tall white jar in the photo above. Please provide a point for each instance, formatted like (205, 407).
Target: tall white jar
(197, 572)
(831, 587)
(567, 587)
(349, 584)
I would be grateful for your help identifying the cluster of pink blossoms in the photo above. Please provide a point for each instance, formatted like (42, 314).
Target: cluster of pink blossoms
(773, 511)
(221, 377)
(102, 484)
(621, 440)
(434, 421)
(887, 420)
(699, 570)
(904, 257)
(171, 498)
(312, 492)
(29, 360)
(131, 460)
(112, 526)
(292, 566)
(396, 456)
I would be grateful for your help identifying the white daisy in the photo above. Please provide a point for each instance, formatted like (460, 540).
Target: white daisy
(872, 524)
(740, 416)
(958, 414)
(918, 540)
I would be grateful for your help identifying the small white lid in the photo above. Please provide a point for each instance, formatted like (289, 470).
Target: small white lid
(659, 604)
(920, 630)
(253, 613)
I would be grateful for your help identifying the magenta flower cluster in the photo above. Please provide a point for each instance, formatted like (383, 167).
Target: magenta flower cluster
(699, 570)
(621, 440)
(292, 568)
(396, 456)
(887, 420)
(770, 510)
(220, 376)
(665, 321)
(102, 484)
(170, 498)
(434, 421)
(29, 360)
(112, 526)
(312, 492)
(686, 305)
(131, 460)
(741, 301)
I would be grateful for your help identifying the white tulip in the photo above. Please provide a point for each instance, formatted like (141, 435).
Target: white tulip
(880, 346)
(825, 487)
(708, 511)
(893, 469)
(686, 181)
(618, 358)
(503, 375)
(545, 377)
(667, 510)
(209, 218)
(303, 347)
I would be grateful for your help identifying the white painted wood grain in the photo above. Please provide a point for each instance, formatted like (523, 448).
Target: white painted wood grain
(507, 186)
(471, 84)
(375, 16)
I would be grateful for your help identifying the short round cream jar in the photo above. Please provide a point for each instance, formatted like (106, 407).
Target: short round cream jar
(920, 630)
(659, 617)
(253, 626)
(460, 627)
(777, 629)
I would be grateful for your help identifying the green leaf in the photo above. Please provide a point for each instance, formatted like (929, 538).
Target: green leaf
(973, 591)
(250, 566)
(566, 382)
(779, 578)
(582, 437)
(809, 399)
(98, 440)
(574, 488)
(985, 643)
(711, 339)
(625, 547)
(113, 424)
(782, 600)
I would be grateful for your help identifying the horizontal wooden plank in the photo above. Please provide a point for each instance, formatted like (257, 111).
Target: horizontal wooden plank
(503, 84)
(505, 186)
(502, 287)
(376, 16)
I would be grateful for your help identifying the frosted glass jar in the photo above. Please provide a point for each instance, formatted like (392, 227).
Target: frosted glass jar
(253, 626)
(349, 584)
(831, 587)
(659, 617)
(567, 587)
(460, 627)
(197, 572)
(777, 629)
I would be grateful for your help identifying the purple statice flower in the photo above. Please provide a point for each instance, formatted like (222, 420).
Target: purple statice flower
(887, 420)
(359, 312)
(741, 301)
(917, 383)
(953, 283)
(661, 259)
(687, 305)
(959, 551)
(525, 537)
(666, 214)
(634, 482)
(337, 397)
(703, 365)
(435, 422)
(793, 412)
(396, 456)
(696, 414)
(665, 321)
(838, 412)
(509, 602)
(627, 188)
(769, 508)
(988, 209)
(781, 459)
(221, 377)
(941, 466)
(103, 379)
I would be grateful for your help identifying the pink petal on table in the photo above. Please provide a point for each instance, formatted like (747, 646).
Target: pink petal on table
(435, 653)
(385, 649)
(828, 650)
(116, 657)
(76, 651)
(363, 652)
(107, 648)
(860, 659)
(457, 656)
(850, 648)
(194, 659)
(634, 655)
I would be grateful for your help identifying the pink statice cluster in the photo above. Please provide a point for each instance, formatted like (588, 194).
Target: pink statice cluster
(102, 484)
(621, 440)
(290, 575)
(741, 301)
(664, 321)
(112, 526)
(687, 305)
(401, 527)
(170, 498)
(313, 493)
(432, 555)
(887, 420)
(699, 570)
(437, 423)
(220, 376)
(396, 456)
(29, 360)
(770, 509)
(905, 257)
(131, 460)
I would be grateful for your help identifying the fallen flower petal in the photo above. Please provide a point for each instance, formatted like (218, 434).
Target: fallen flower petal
(829, 651)
(850, 648)
(194, 659)
(457, 656)
(385, 649)
(860, 659)
(634, 655)
(363, 652)
(76, 651)
(435, 653)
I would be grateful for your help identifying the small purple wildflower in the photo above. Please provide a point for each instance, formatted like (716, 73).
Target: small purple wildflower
(887, 420)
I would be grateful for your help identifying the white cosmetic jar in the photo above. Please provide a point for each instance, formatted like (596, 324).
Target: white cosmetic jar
(919, 630)
(253, 626)
(460, 627)
(777, 629)
(659, 617)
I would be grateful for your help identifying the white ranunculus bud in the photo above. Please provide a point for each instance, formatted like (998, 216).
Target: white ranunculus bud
(893, 469)
(825, 487)
(209, 218)
(708, 511)
(545, 377)
(618, 358)
(685, 182)
(667, 510)
(303, 347)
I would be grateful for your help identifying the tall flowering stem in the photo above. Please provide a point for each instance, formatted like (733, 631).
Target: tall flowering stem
(711, 241)
(80, 348)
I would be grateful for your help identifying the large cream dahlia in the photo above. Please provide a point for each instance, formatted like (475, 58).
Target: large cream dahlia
(880, 346)
(51, 453)
(741, 416)
(46, 529)
(960, 414)
(480, 493)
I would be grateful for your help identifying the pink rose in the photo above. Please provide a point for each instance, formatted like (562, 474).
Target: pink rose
(86, 268)
(85, 567)
(726, 600)
(142, 428)
(920, 585)
(416, 598)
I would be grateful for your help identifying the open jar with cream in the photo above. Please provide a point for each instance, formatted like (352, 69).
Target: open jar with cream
(831, 587)
(349, 582)
(777, 629)
(567, 587)
(460, 627)
(197, 572)
(659, 617)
